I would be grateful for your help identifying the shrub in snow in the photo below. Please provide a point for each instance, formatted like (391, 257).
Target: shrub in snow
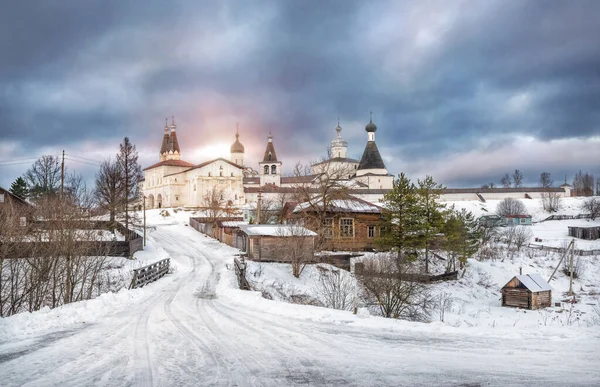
(335, 289)
(510, 206)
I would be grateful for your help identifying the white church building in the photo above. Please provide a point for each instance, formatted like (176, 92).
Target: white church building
(173, 182)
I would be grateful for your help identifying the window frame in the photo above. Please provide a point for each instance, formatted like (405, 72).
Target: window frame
(346, 229)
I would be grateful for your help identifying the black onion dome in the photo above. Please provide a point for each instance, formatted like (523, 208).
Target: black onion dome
(371, 127)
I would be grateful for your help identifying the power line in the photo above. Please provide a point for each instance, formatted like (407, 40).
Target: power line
(83, 158)
(82, 162)
(17, 163)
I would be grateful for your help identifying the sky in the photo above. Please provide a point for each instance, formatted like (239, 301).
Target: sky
(464, 91)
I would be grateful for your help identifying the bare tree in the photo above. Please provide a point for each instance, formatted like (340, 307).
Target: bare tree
(546, 180)
(551, 201)
(387, 283)
(335, 288)
(583, 184)
(592, 207)
(317, 192)
(510, 206)
(521, 236)
(506, 181)
(215, 205)
(517, 178)
(296, 247)
(109, 187)
(43, 178)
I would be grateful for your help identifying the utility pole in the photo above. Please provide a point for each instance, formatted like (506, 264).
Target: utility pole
(571, 268)
(353, 274)
(258, 205)
(144, 220)
(62, 174)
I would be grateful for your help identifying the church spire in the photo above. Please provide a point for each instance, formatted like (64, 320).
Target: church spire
(164, 148)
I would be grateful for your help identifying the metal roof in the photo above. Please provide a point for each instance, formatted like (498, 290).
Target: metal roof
(534, 282)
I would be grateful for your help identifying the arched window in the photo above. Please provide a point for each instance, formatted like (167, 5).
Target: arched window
(221, 173)
(266, 169)
(273, 170)
(231, 174)
(209, 174)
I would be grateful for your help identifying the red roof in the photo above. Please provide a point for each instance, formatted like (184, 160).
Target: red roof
(171, 163)
(517, 216)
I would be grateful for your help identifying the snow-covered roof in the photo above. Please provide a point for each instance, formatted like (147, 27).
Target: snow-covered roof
(276, 230)
(534, 282)
(232, 223)
(353, 205)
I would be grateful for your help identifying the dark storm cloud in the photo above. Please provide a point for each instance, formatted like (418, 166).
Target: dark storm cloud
(441, 77)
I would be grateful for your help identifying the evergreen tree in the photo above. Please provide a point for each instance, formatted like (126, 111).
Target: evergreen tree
(462, 233)
(131, 172)
(431, 212)
(401, 219)
(19, 188)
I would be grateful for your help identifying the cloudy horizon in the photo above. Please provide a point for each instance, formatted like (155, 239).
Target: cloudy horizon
(464, 91)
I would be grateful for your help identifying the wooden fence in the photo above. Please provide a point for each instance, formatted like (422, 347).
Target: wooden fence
(565, 217)
(133, 242)
(145, 275)
(240, 272)
(579, 252)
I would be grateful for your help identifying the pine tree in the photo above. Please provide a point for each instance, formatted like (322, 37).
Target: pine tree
(19, 188)
(431, 212)
(402, 217)
(131, 172)
(463, 235)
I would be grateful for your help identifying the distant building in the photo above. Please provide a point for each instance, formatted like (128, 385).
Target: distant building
(516, 220)
(14, 210)
(490, 220)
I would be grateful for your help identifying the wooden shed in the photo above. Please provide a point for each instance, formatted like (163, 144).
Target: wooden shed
(276, 243)
(590, 233)
(527, 291)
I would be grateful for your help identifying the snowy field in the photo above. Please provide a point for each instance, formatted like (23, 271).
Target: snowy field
(194, 328)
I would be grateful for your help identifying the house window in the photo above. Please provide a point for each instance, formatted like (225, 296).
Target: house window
(209, 174)
(523, 221)
(221, 173)
(328, 228)
(22, 221)
(347, 228)
(273, 169)
(1, 198)
(266, 169)
(194, 187)
(176, 198)
(231, 174)
(371, 231)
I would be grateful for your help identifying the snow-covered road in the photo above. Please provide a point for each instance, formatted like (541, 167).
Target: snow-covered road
(192, 328)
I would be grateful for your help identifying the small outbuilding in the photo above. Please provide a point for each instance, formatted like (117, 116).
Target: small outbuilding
(527, 291)
(276, 243)
(590, 233)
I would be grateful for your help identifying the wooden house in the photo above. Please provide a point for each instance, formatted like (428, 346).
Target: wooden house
(490, 220)
(14, 210)
(527, 291)
(276, 243)
(516, 220)
(350, 224)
